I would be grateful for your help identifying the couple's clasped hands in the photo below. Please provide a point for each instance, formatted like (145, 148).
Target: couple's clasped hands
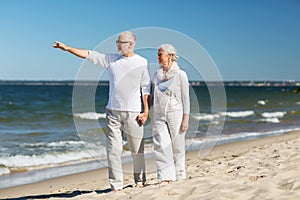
(142, 118)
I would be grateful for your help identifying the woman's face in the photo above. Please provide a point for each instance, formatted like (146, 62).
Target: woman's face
(163, 58)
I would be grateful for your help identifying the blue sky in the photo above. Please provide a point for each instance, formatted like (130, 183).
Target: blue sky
(248, 40)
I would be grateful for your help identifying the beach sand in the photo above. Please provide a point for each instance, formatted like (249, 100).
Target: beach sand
(265, 168)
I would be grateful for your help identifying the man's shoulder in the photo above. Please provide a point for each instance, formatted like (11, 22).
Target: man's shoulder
(110, 55)
(141, 58)
(113, 55)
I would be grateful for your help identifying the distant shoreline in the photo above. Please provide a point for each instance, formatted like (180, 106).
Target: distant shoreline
(193, 83)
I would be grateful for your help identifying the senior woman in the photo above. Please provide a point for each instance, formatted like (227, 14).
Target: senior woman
(171, 107)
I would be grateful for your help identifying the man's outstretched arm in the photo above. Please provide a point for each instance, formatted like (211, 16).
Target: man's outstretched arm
(82, 53)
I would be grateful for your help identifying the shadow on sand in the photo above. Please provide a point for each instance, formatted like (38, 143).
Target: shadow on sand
(59, 195)
(63, 195)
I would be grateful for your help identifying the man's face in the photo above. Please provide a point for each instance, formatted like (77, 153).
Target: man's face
(125, 44)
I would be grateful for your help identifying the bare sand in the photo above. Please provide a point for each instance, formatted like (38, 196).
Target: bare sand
(265, 168)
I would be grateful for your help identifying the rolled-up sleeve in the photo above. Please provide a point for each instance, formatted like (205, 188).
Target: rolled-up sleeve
(101, 59)
(145, 81)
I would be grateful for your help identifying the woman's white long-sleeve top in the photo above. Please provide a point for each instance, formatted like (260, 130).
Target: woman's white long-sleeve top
(176, 88)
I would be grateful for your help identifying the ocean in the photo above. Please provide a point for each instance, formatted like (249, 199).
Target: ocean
(42, 136)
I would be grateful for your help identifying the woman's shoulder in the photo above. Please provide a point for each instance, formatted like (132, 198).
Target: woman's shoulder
(182, 74)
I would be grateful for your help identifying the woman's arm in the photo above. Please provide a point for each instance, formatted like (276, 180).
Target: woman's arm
(185, 123)
(185, 96)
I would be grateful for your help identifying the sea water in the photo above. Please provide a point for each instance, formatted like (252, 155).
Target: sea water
(40, 137)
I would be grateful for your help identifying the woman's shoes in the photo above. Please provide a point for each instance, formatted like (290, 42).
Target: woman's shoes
(164, 182)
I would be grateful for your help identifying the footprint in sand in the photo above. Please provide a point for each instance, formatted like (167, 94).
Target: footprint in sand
(283, 185)
(256, 178)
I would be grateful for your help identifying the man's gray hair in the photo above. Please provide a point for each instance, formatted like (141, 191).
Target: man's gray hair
(169, 49)
(130, 35)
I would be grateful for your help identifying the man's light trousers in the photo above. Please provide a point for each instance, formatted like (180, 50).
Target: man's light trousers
(118, 122)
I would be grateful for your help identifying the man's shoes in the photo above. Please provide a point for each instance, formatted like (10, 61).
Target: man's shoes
(139, 185)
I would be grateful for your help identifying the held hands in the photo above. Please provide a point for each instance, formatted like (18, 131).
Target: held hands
(142, 118)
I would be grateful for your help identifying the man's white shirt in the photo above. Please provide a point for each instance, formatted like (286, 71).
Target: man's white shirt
(128, 79)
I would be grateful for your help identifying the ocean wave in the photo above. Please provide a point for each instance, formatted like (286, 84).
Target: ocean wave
(250, 135)
(211, 117)
(238, 113)
(278, 114)
(213, 140)
(262, 102)
(272, 117)
(4, 170)
(205, 117)
(271, 120)
(13, 163)
(90, 115)
(54, 144)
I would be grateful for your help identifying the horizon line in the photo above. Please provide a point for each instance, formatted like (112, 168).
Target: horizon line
(72, 80)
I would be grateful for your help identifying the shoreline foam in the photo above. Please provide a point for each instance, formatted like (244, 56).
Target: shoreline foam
(34, 174)
(265, 168)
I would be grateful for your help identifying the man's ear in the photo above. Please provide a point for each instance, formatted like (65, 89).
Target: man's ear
(132, 44)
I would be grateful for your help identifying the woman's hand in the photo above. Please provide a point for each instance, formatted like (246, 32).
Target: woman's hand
(184, 124)
(142, 118)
